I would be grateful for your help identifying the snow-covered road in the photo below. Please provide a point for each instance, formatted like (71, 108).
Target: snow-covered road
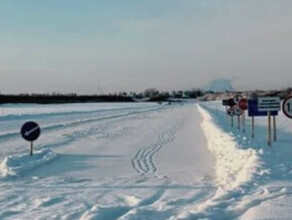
(141, 161)
(112, 161)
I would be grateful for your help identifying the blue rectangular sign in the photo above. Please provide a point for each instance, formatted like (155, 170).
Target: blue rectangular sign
(253, 109)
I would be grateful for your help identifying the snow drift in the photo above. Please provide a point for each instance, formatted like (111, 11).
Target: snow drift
(236, 171)
(16, 165)
(234, 166)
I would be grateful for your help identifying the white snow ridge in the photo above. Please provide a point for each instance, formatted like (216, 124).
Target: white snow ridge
(16, 165)
(234, 166)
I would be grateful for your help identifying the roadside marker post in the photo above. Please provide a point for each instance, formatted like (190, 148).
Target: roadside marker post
(30, 131)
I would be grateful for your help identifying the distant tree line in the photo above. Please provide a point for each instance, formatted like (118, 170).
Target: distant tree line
(154, 95)
(61, 98)
(151, 95)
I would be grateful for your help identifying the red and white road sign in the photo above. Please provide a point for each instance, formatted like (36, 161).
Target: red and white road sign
(237, 111)
(243, 104)
(287, 107)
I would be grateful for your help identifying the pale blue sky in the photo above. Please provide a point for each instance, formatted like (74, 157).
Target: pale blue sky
(91, 46)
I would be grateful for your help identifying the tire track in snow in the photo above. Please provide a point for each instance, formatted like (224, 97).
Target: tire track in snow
(143, 161)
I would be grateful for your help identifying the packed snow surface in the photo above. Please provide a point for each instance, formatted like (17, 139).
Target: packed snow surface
(142, 161)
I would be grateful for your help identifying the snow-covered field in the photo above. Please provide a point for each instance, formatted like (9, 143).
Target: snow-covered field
(142, 161)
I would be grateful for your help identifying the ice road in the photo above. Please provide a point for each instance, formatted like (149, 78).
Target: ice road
(106, 161)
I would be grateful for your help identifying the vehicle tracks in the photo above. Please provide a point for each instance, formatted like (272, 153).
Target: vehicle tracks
(143, 161)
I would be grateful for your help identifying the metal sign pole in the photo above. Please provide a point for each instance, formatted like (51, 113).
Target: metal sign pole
(31, 148)
(269, 128)
(243, 121)
(238, 122)
(252, 126)
(275, 128)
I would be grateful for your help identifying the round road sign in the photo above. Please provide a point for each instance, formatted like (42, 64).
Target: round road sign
(30, 131)
(230, 112)
(243, 104)
(231, 103)
(237, 98)
(237, 111)
(287, 107)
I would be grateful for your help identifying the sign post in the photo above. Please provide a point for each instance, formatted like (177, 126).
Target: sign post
(243, 105)
(274, 128)
(31, 148)
(269, 129)
(30, 131)
(238, 122)
(230, 112)
(238, 112)
(243, 121)
(230, 103)
(269, 104)
(252, 126)
(254, 97)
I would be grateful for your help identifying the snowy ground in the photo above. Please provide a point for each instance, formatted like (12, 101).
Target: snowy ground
(142, 161)
(104, 161)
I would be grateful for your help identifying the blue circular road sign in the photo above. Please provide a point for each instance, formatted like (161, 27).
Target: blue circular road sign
(237, 111)
(230, 112)
(30, 131)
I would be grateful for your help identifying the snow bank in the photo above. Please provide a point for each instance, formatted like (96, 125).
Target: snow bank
(16, 165)
(237, 171)
(234, 166)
